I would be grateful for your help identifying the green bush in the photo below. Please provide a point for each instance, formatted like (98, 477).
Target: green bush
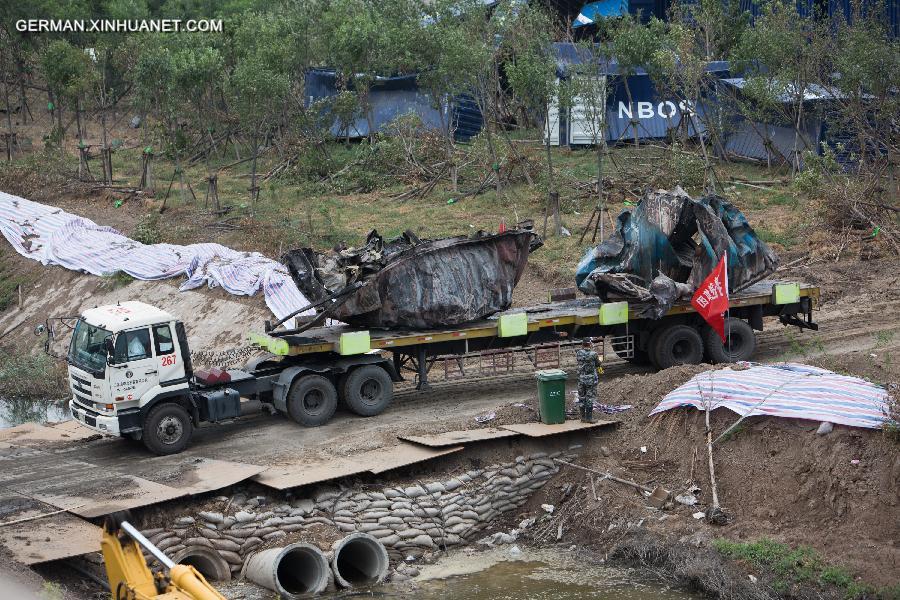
(31, 376)
(147, 230)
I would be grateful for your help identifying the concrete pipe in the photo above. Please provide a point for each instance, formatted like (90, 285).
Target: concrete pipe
(291, 571)
(206, 560)
(359, 559)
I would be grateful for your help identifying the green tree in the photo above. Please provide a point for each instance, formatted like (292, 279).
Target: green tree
(363, 39)
(257, 92)
(784, 54)
(531, 72)
(589, 99)
(450, 58)
(633, 45)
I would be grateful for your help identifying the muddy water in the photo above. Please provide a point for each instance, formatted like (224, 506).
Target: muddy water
(546, 574)
(17, 411)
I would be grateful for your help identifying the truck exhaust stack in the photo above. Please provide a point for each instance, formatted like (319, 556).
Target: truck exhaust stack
(292, 571)
(359, 559)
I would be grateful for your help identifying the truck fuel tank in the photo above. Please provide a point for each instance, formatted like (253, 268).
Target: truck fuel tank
(219, 405)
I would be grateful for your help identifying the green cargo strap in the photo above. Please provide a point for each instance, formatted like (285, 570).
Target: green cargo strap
(277, 346)
(513, 325)
(613, 313)
(786, 293)
(354, 342)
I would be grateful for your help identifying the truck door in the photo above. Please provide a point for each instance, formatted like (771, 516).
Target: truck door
(168, 359)
(134, 370)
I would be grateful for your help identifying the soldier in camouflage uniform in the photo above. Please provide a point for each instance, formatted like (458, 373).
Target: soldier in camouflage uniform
(588, 378)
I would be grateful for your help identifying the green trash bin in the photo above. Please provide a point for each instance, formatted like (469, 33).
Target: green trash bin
(552, 396)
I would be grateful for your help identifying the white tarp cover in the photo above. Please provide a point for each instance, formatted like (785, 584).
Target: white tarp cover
(55, 237)
(785, 390)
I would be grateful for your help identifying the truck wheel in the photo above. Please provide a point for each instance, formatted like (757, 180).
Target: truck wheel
(743, 342)
(312, 400)
(167, 429)
(367, 390)
(676, 345)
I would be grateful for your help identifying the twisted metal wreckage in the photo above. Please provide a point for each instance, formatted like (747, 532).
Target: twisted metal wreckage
(660, 252)
(407, 282)
(663, 249)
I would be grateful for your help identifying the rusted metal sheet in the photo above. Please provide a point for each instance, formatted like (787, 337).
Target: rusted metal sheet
(412, 283)
(541, 430)
(34, 532)
(451, 438)
(379, 461)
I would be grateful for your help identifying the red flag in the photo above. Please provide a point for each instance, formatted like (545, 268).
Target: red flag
(502, 228)
(711, 298)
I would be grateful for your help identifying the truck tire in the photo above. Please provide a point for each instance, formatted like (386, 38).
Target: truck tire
(312, 400)
(676, 345)
(367, 390)
(167, 429)
(743, 342)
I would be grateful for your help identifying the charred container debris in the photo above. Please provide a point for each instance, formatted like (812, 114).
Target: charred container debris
(662, 250)
(407, 282)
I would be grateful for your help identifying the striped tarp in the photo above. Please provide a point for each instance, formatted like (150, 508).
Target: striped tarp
(55, 237)
(785, 390)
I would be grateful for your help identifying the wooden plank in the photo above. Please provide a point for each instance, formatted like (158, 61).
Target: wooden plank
(541, 430)
(450, 438)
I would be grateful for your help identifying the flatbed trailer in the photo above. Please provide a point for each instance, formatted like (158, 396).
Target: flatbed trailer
(635, 339)
(131, 374)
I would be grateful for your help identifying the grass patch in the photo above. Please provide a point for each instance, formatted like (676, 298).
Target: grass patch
(793, 566)
(785, 238)
(117, 280)
(30, 376)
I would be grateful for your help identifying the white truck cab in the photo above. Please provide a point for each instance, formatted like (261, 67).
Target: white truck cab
(122, 359)
(131, 376)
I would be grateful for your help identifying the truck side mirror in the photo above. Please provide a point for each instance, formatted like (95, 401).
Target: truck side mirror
(110, 349)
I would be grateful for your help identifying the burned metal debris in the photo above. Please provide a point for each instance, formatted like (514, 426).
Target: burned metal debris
(663, 248)
(411, 283)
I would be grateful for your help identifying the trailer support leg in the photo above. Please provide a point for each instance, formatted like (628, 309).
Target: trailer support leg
(422, 366)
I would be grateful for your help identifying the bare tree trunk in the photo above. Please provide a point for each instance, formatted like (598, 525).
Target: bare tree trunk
(9, 125)
(552, 195)
(254, 191)
(448, 137)
(634, 122)
(795, 166)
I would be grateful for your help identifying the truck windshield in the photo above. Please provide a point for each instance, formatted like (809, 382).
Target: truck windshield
(87, 350)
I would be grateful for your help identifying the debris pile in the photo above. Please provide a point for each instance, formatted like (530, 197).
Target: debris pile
(664, 247)
(411, 283)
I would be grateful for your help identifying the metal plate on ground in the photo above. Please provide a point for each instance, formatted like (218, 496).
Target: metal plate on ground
(540, 429)
(32, 434)
(46, 534)
(91, 490)
(326, 468)
(450, 438)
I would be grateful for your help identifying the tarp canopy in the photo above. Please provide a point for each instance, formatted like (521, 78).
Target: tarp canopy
(594, 11)
(55, 237)
(785, 390)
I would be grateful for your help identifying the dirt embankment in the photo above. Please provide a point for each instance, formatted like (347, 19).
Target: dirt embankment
(839, 493)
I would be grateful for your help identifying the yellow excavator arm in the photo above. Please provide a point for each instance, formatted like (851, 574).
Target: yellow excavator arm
(131, 579)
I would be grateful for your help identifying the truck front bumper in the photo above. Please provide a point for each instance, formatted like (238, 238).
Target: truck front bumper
(96, 421)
